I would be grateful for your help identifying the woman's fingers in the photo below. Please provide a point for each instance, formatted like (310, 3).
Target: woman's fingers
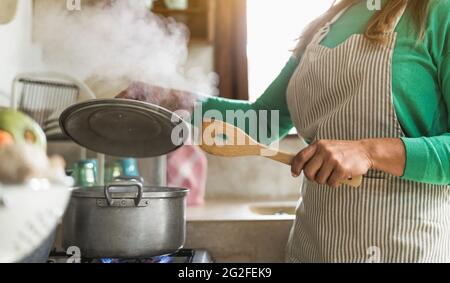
(133, 91)
(125, 94)
(337, 177)
(301, 159)
(325, 172)
(143, 92)
(171, 99)
(313, 166)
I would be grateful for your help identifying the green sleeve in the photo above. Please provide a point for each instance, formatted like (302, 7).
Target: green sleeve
(273, 99)
(428, 158)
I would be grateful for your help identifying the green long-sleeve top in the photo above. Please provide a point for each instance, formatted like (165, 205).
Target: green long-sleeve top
(421, 89)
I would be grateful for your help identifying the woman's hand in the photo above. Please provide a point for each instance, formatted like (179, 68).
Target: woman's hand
(170, 99)
(331, 162)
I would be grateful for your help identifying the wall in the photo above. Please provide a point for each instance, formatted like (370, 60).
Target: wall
(16, 47)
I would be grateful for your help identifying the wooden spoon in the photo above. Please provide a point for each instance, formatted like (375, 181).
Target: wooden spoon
(222, 139)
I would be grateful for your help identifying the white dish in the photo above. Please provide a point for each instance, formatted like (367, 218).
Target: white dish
(28, 215)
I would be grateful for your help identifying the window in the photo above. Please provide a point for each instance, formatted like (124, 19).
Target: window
(273, 27)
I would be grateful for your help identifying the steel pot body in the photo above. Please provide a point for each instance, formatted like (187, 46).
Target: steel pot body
(125, 220)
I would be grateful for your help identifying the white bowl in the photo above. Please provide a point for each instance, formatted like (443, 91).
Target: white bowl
(28, 215)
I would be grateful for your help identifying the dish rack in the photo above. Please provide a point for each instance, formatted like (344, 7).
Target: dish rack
(44, 95)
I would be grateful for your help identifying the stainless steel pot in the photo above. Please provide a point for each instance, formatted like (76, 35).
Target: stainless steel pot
(125, 220)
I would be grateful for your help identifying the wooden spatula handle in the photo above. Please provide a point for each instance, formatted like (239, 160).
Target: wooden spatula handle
(355, 182)
(287, 158)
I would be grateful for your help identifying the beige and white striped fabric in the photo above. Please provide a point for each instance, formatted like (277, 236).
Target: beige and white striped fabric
(345, 93)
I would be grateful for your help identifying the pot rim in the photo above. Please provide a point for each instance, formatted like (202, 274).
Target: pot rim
(149, 192)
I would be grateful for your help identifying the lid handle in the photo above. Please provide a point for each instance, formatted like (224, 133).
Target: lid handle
(125, 182)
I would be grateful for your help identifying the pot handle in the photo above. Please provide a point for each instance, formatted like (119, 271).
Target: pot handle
(125, 182)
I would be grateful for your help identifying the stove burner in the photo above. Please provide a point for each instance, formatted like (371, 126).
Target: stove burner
(158, 259)
(182, 256)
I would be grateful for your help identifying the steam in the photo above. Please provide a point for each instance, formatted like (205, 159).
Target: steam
(119, 42)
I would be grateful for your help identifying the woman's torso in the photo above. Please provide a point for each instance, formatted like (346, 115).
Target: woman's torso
(344, 92)
(416, 85)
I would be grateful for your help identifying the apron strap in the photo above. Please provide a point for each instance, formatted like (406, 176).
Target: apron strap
(323, 32)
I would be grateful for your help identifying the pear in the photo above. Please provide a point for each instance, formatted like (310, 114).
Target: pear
(22, 128)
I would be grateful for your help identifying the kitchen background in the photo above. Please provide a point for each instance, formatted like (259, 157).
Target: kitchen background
(245, 42)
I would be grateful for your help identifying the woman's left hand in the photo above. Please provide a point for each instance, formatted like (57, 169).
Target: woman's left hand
(331, 162)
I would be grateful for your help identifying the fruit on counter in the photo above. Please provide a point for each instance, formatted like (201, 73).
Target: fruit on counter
(22, 128)
(23, 151)
(5, 138)
(20, 162)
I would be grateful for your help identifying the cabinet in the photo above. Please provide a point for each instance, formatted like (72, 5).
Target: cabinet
(199, 17)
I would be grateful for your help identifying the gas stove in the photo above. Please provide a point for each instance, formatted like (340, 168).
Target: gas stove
(182, 256)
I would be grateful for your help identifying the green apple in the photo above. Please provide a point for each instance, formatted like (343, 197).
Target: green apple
(22, 128)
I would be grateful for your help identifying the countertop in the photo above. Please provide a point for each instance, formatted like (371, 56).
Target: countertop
(240, 230)
(242, 210)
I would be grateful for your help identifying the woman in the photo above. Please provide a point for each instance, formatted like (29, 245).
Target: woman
(370, 92)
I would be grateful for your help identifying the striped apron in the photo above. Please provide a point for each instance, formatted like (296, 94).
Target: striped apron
(345, 93)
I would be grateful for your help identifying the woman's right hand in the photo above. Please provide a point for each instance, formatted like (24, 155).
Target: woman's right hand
(171, 99)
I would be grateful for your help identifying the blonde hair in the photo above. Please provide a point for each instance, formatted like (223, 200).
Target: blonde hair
(378, 25)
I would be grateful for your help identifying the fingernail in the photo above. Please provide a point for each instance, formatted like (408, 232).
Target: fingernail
(295, 175)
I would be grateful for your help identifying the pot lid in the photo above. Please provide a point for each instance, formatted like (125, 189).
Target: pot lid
(122, 127)
(129, 192)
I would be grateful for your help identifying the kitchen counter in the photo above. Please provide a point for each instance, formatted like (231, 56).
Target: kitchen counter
(241, 210)
(241, 231)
